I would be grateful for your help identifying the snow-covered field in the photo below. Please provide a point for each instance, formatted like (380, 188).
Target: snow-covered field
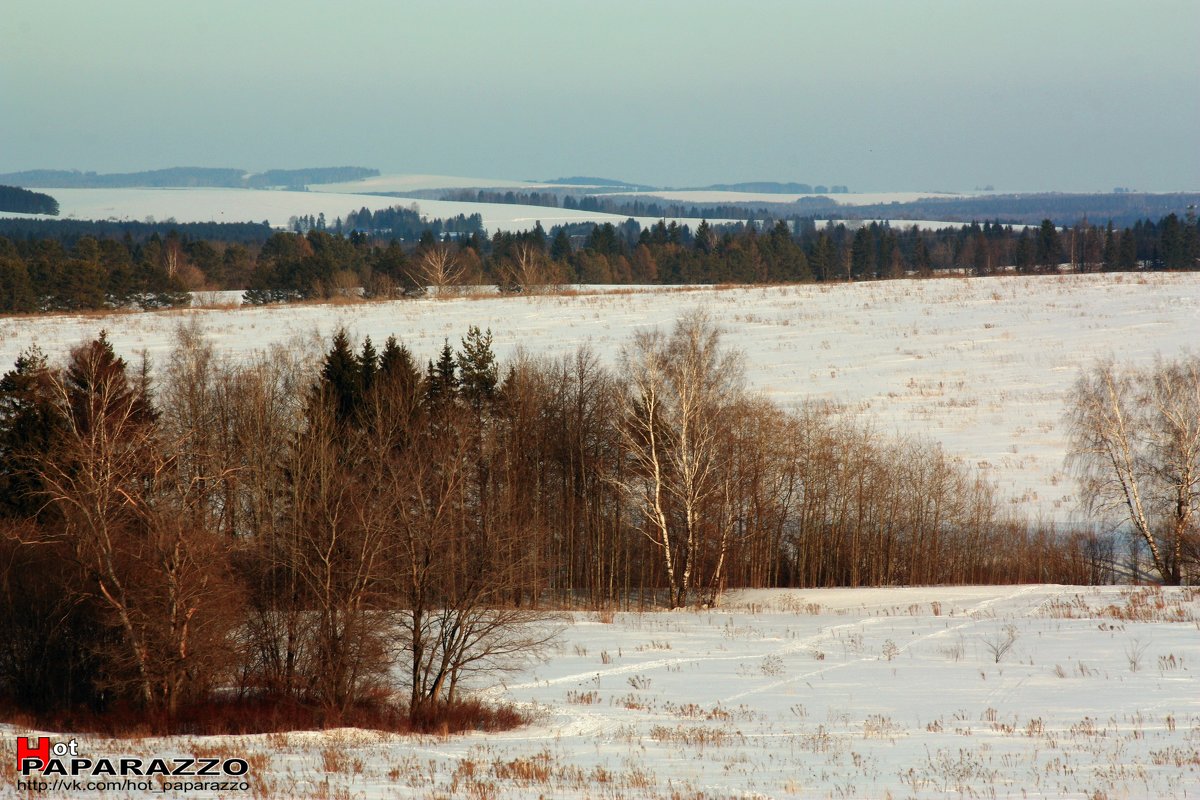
(336, 200)
(982, 365)
(1030, 691)
(276, 207)
(399, 184)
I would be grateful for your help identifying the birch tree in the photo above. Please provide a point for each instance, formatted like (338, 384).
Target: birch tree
(681, 391)
(1135, 445)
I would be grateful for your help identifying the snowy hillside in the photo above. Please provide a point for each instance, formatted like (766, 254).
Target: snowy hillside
(981, 365)
(277, 207)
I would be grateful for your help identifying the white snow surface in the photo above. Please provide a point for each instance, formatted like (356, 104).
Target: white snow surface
(843, 693)
(982, 365)
(398, 184)
(276, 207)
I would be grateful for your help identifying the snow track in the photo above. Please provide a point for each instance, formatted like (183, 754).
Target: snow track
(813, 693)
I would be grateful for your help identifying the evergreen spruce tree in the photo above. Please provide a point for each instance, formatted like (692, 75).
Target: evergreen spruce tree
(705, 239)
(28, 426)
(921, 260)
(862, 254)
(477, 368)
(1024, 253)
(342, 378)
(560, 248)
(1191, 241)
(822, 257)
(1049, 248)
(1110, 248)
(398, 373)
(1127, 256)
(97, 381)
(441, 383)
(368, 364)
(1171, 236)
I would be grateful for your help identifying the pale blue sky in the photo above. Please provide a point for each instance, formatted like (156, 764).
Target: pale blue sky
(925, 94)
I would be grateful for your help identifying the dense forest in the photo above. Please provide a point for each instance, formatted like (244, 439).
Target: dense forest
(70, 272)
(1122, 208)
(325, 528)
(69, 231)
(23, 201)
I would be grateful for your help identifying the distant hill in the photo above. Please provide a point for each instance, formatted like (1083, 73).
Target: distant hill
(23, 201)
(185, 178)
(298, 178)
(607, 183)
(774, 187)
(158, 178)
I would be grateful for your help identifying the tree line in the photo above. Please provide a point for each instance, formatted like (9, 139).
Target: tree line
(23, 201)
(339, 528)
(42, 275)
(318, 266)
(1124, 208)
(370, 260)
(69, 231)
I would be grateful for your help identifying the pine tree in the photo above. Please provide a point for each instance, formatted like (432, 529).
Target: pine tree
(705, 239)
(28, 428)
(441, 383)
(921, 260)
(560, 248)
(398, 373)
(341, 379)
(1110, 248)
(477, 368)
(1024, 253)
(862, 254)
(16, 290)
(368, 364)
(1171, 236)
(97, 383)
(1049, 248)
(822, 257)
(1127, 256)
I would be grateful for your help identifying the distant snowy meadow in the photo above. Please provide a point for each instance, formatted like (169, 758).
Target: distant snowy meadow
(981, 365)
(276, 207)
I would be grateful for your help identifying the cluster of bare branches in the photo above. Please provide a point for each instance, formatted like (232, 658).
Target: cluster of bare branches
(1135, 444)
(343, 527)
(251, 526)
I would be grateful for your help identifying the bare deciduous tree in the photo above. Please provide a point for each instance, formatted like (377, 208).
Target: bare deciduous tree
(1135, 444)
(437, 266)
(450, 578)
(682, 390)
(136, 520)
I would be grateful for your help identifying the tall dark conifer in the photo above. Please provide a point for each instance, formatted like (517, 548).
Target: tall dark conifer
(368, 364)
(441, 382)
(477, 368)
(560, 248)
(342, 378)
(1049, 246)
(28, 426)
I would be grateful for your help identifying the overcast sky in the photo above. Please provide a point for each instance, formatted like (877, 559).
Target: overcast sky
(921, 95)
